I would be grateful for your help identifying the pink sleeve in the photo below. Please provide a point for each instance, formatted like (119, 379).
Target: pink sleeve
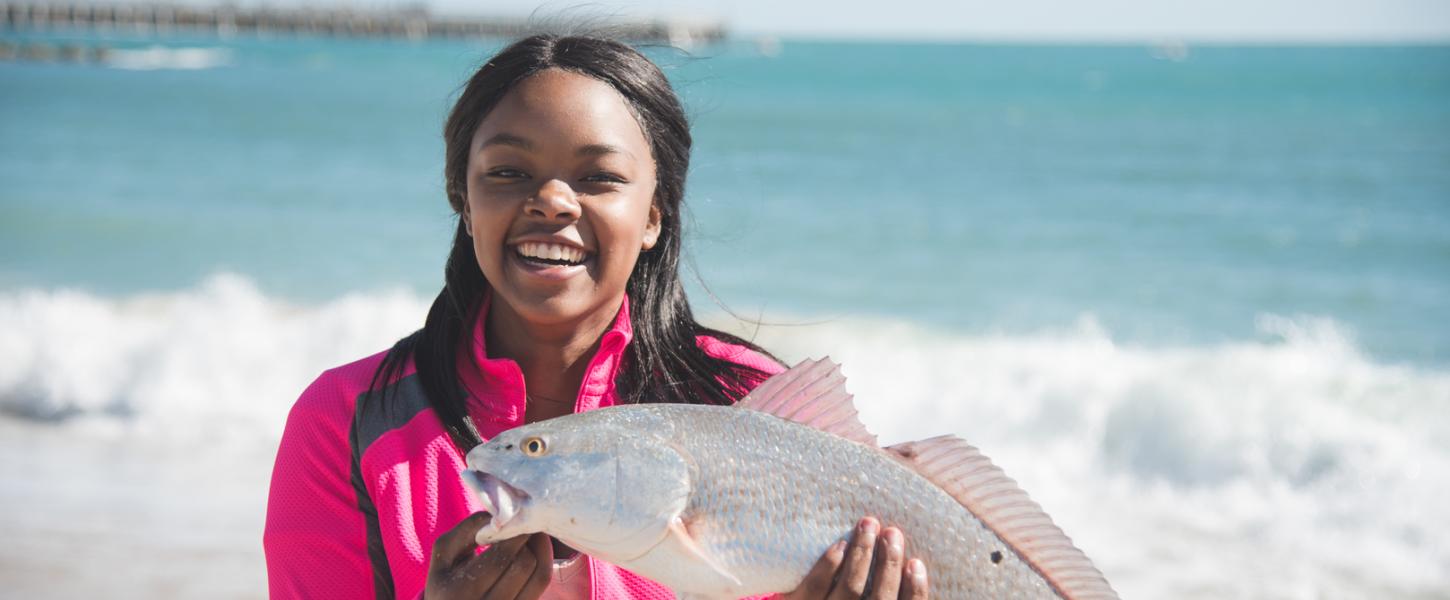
(316, 538)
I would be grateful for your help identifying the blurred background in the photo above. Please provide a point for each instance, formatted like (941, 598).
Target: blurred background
(1180, 267)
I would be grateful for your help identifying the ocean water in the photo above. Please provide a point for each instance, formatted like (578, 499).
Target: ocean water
(1195, 303)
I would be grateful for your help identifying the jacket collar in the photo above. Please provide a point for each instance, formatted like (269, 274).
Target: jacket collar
(495, 386)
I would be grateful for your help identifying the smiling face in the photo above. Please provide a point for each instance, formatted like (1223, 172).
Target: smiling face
(560, 198)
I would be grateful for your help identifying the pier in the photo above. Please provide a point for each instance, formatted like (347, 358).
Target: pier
(227, 20)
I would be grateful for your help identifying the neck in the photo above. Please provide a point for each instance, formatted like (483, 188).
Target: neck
(553, 357)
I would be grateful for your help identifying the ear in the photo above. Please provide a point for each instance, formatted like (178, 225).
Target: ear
(467, 222)
(651, 228)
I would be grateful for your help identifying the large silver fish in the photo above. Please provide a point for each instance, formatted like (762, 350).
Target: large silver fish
(723, 502)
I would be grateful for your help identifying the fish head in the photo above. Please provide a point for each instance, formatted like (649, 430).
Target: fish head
(607, 486)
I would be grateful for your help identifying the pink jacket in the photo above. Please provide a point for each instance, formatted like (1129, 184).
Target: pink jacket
(360, 490)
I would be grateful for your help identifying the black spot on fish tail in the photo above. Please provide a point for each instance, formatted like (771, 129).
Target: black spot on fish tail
(996, 556)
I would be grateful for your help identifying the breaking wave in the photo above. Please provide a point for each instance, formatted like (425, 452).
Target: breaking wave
(1288, 465)
(160, 57)
(221, 357)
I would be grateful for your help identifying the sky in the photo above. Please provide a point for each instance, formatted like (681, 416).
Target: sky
(1291, 21)
(1081, 20)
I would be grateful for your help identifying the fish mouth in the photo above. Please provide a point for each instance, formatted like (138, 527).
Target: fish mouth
(503, 501)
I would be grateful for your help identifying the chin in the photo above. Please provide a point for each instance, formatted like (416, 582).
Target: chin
(562, 309)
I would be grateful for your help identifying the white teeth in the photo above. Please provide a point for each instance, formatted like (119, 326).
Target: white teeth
(551, 252)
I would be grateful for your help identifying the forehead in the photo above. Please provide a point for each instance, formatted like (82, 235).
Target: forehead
(556, 107)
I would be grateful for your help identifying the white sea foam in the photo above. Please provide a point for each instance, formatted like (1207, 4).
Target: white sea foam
(1285, 466)
(161, 57)
(220, 358)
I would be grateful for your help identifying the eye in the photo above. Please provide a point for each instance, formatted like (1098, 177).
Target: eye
(507, 173)
(605, 177)
(533, 446)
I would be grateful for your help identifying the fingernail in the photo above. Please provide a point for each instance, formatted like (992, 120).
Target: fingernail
(838, 547)
(917, 570)
(868, 526)
(893, 538)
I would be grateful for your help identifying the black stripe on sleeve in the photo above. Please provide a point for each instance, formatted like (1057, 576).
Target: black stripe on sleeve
(376, 413)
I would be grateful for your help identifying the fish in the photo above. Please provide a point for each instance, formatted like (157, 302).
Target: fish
(721, 502)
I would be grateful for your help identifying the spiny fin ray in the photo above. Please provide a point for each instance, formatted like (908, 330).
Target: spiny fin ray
(971, 478)
(812, 393)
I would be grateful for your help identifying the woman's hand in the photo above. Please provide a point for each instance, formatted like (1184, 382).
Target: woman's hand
(517, 568)
(844, 570)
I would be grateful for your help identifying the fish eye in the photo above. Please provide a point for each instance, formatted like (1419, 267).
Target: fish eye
(533, 446)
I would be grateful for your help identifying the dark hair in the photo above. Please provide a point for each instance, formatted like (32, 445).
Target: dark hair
(663, 362)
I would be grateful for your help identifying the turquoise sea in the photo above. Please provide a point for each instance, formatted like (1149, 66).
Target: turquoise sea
(1193, 297)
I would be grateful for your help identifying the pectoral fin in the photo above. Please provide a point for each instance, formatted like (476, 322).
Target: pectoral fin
(685, 544)
(687, 566)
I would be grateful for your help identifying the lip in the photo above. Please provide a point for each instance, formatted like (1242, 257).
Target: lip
(504, 502)
(547, 272)
(550, 239)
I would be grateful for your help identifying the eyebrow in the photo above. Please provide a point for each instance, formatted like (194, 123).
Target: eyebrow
(602, 150)
(509, 139)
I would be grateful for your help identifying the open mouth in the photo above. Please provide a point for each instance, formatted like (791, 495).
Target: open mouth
(499, 499)
(550, 255)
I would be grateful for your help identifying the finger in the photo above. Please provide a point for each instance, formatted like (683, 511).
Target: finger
(457, 544)
(915, 586)
(818, 581)
(856, 569)
(543, 548)
(483, 571)
(513, 577)
(890, 561)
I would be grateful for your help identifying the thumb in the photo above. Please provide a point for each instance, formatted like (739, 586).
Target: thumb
(458, 543)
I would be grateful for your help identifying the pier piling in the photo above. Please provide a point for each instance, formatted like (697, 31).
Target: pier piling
(226, 20)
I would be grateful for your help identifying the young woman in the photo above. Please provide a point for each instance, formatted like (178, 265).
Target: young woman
(566, 161)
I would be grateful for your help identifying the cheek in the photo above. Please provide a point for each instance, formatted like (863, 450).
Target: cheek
(482, 239)
(620, 233)
(486, 224)
(579, 495)
(629, 224)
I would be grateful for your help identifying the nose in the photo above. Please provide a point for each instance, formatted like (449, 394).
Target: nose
(554, 200)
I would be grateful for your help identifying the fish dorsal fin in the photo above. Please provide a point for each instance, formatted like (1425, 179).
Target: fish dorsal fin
(971, 478)
(812, 393)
